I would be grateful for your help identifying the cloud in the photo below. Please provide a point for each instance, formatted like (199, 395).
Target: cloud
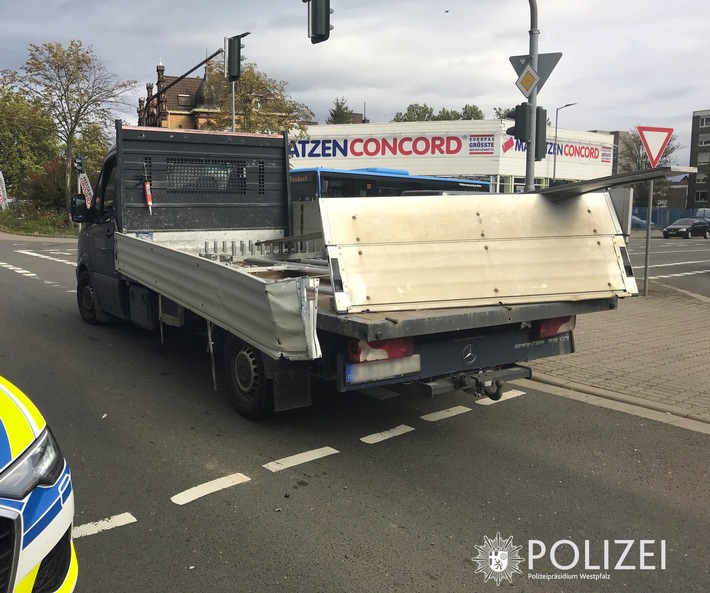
(623, 63)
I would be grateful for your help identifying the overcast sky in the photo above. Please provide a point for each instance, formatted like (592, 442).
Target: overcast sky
(625, 62)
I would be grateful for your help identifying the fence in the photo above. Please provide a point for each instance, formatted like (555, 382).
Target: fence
(662, 217)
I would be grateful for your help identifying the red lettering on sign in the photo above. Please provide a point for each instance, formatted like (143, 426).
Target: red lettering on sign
(405, 146)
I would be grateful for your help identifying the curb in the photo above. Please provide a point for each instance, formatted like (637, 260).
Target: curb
(619, 397)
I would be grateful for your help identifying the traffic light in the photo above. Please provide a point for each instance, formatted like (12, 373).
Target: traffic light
(319, 26)
(522, 130)
(234, 57)
(540, 133)
(79, 163)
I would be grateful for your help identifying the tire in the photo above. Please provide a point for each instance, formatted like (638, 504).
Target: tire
(251, 392)
(689, 235)
(666, 236)
(86, 298)
(707, 234)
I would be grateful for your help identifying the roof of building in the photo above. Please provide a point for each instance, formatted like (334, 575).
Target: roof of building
(177, 96)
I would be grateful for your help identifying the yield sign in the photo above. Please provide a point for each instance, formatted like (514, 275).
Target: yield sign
(655, 141)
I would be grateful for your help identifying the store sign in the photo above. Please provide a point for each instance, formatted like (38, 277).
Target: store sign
(582, 152)
(378, 146)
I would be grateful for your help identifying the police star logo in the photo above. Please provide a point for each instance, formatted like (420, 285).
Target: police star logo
(498, 559)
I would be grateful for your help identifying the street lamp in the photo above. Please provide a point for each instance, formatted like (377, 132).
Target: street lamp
(554, 158)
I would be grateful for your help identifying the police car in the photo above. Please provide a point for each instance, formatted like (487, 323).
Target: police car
(36, 502)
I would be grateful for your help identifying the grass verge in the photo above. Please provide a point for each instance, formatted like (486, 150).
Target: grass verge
(27, 219)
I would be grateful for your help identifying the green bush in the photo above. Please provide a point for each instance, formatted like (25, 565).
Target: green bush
(28, 219)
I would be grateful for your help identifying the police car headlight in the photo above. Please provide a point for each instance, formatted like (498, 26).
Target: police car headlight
(42, 464)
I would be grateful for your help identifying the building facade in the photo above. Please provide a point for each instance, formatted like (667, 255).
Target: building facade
(699, 183)
(478, 149)
(176, 102)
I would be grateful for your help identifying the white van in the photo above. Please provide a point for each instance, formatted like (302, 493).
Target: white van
(703, 212)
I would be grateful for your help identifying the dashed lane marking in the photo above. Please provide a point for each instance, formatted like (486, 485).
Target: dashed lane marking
(378, 437)
(48, 257)
(209, 488)
(679, 275)
(103, 525)
(293, 460)
(17, 270)
(443, 414)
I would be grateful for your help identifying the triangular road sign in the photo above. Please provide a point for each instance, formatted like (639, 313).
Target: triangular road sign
(655, 141)
(545, 65)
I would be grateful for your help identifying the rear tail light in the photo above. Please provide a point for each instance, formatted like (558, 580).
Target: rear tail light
(362, 351)
(556, 326)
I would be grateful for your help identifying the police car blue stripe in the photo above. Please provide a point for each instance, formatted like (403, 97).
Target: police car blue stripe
(42, 524)
(5, 451)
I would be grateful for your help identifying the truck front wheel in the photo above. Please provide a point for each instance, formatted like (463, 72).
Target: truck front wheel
(251, 392)
(86, 298)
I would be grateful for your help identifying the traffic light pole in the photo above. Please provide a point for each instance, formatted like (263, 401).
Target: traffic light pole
(532, 100)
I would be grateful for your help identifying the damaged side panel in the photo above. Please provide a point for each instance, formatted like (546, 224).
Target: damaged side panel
(276, 315)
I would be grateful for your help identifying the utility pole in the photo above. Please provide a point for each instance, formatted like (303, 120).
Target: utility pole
(532, 100)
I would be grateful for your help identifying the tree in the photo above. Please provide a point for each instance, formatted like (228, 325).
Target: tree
(340, 113)
(632, 157)
(471, 112)
(27, 139)
(417, 112)
(75, 89)
(261, 103)
(93, 144)
(502, 113)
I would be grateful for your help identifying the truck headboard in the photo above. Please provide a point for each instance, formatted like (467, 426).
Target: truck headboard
(201, 180)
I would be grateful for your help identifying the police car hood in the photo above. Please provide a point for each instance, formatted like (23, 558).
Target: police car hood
(20, 423)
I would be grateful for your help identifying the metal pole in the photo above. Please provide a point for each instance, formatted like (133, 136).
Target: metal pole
(532, 100)
(648, 239)
(233, 114)
(554, 148)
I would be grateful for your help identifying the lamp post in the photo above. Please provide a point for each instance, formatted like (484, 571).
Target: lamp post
(554, 158)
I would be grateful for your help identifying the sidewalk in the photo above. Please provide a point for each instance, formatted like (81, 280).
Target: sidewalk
(653, 351)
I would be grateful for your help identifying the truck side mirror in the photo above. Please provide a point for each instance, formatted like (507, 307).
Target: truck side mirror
(79, 210)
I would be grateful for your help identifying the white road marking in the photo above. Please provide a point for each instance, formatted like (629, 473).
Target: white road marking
(20, 271)
(104, 525)
(436, 416)
(675, 264)
(486, 401)
(209, 488)
(42, 256)
(378, 437)
(286, 462)
(679, 275)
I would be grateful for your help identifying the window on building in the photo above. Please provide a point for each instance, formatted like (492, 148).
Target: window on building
(705, 122)
(701, 196)
(704, 158)
(184, 100)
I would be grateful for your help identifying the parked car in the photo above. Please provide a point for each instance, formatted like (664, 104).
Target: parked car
(640, 223)
(36, 501)
(688, 227)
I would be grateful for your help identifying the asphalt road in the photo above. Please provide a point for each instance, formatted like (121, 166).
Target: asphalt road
(142, 427)
(682, 263)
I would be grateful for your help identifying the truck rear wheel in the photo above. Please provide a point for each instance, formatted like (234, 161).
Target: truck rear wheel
(250, 390)
(86, 298)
